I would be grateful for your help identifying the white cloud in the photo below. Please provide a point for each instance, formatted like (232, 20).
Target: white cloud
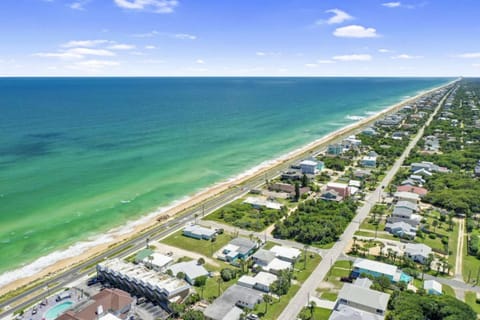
(91, 52)
(353, 57)
(147, 34)
(83, 43)
(469, 55)
(476, 65)
(392, 4)
(311, 65)
(264, 53)
(150, 47)
(406, 57)
(60, 55)
(78, 5)
(183, 36)
(158, 6)
(339, 16)
(121, 46)
(384, 50)
(200, 61)
(325, 61)
(355, 31)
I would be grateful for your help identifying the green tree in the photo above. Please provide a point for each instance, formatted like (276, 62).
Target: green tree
(267, 299)
(297, 191)
(304, 181)
(176, 309)
(193, 315)
(181, 275)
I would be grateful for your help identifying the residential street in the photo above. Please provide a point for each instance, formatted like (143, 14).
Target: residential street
(310, 285)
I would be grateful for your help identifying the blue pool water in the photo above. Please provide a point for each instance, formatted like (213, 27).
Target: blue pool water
(60, 308)
(405, 278)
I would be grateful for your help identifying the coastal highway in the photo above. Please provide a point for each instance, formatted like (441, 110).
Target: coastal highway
(311, 284)
(62, 279)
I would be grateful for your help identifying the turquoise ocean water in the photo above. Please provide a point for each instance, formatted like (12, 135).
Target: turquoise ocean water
(79, 156)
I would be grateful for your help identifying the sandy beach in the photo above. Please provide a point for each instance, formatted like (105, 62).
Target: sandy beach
(136, 227)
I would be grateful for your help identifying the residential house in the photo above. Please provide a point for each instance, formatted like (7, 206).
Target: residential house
(361, 174)
(261, 281)
(412, 189)
(406, 196)
(308, 167)
(331, 195)
(358, 302)
(335, 149)
(230, 305)
(429, 166)
(258, 203)
(401, 229)
(268, 261)
(402, 212)
(198, 232)
(414, 220)
(418, 252)
(157, 261)
(432, 287)
(377, 269)
(369, 131)
(341, 188)
(286, 253)
(238, 248)
(407, 205)
(191, 269)
(287, 188)
(370, 162)
(113, 302)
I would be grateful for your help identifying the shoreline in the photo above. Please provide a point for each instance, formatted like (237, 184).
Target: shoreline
(81, 251)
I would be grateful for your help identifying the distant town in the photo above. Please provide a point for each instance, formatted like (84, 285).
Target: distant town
(381, 223)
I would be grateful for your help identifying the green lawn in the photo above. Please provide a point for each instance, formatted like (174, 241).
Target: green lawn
(321, 313)
(204, 247)
(470, 300)
(269, 245)
(379, 235)
(330, 296)
(447, 290)
(432, 243)
(275, 309)
(245, 216)
(452, 245)
(470, 266)
(301, 273)
(210, 292)
(370, 226)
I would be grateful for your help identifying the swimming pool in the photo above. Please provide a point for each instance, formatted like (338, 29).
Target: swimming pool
(60, 308)
(405, 278)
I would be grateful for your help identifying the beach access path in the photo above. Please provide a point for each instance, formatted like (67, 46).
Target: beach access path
(301, 299)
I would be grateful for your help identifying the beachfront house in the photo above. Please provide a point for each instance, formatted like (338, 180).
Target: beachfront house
(377, 269)
(198, 232)
(258, 203)
(335, 149)
(157, 261)
(308, 167)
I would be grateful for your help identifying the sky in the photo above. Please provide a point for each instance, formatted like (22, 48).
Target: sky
(239, 38)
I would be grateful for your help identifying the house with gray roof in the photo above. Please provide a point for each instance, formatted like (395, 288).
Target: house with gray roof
(402, 213)
(230, 304)
(358, 302)
(407, 205)
(238, 248)
(418, 252)
(191, 269)
(401, 229)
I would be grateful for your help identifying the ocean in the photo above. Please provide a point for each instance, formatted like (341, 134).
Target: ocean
(80, 156)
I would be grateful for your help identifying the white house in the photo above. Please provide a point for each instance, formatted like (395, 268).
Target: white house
(308, 166)
(432, 287)
(257, 202)
(157, 261)
(418, 252)
(191, 269)
(406, 196)
(261, 281)
(286, 253)
(368, 161)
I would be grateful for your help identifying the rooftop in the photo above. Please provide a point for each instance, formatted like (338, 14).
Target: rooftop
(149, 277)
(375, 266)
(286, 252)
(364, 296)
(224, 304)
(192, 269)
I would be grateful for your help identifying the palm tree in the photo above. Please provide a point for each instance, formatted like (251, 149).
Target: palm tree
(312, 306)
(305, 248)
(267, 299)
(381, 245)
(195, 216)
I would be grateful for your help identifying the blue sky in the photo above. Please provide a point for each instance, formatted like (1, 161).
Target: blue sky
(245, 38)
